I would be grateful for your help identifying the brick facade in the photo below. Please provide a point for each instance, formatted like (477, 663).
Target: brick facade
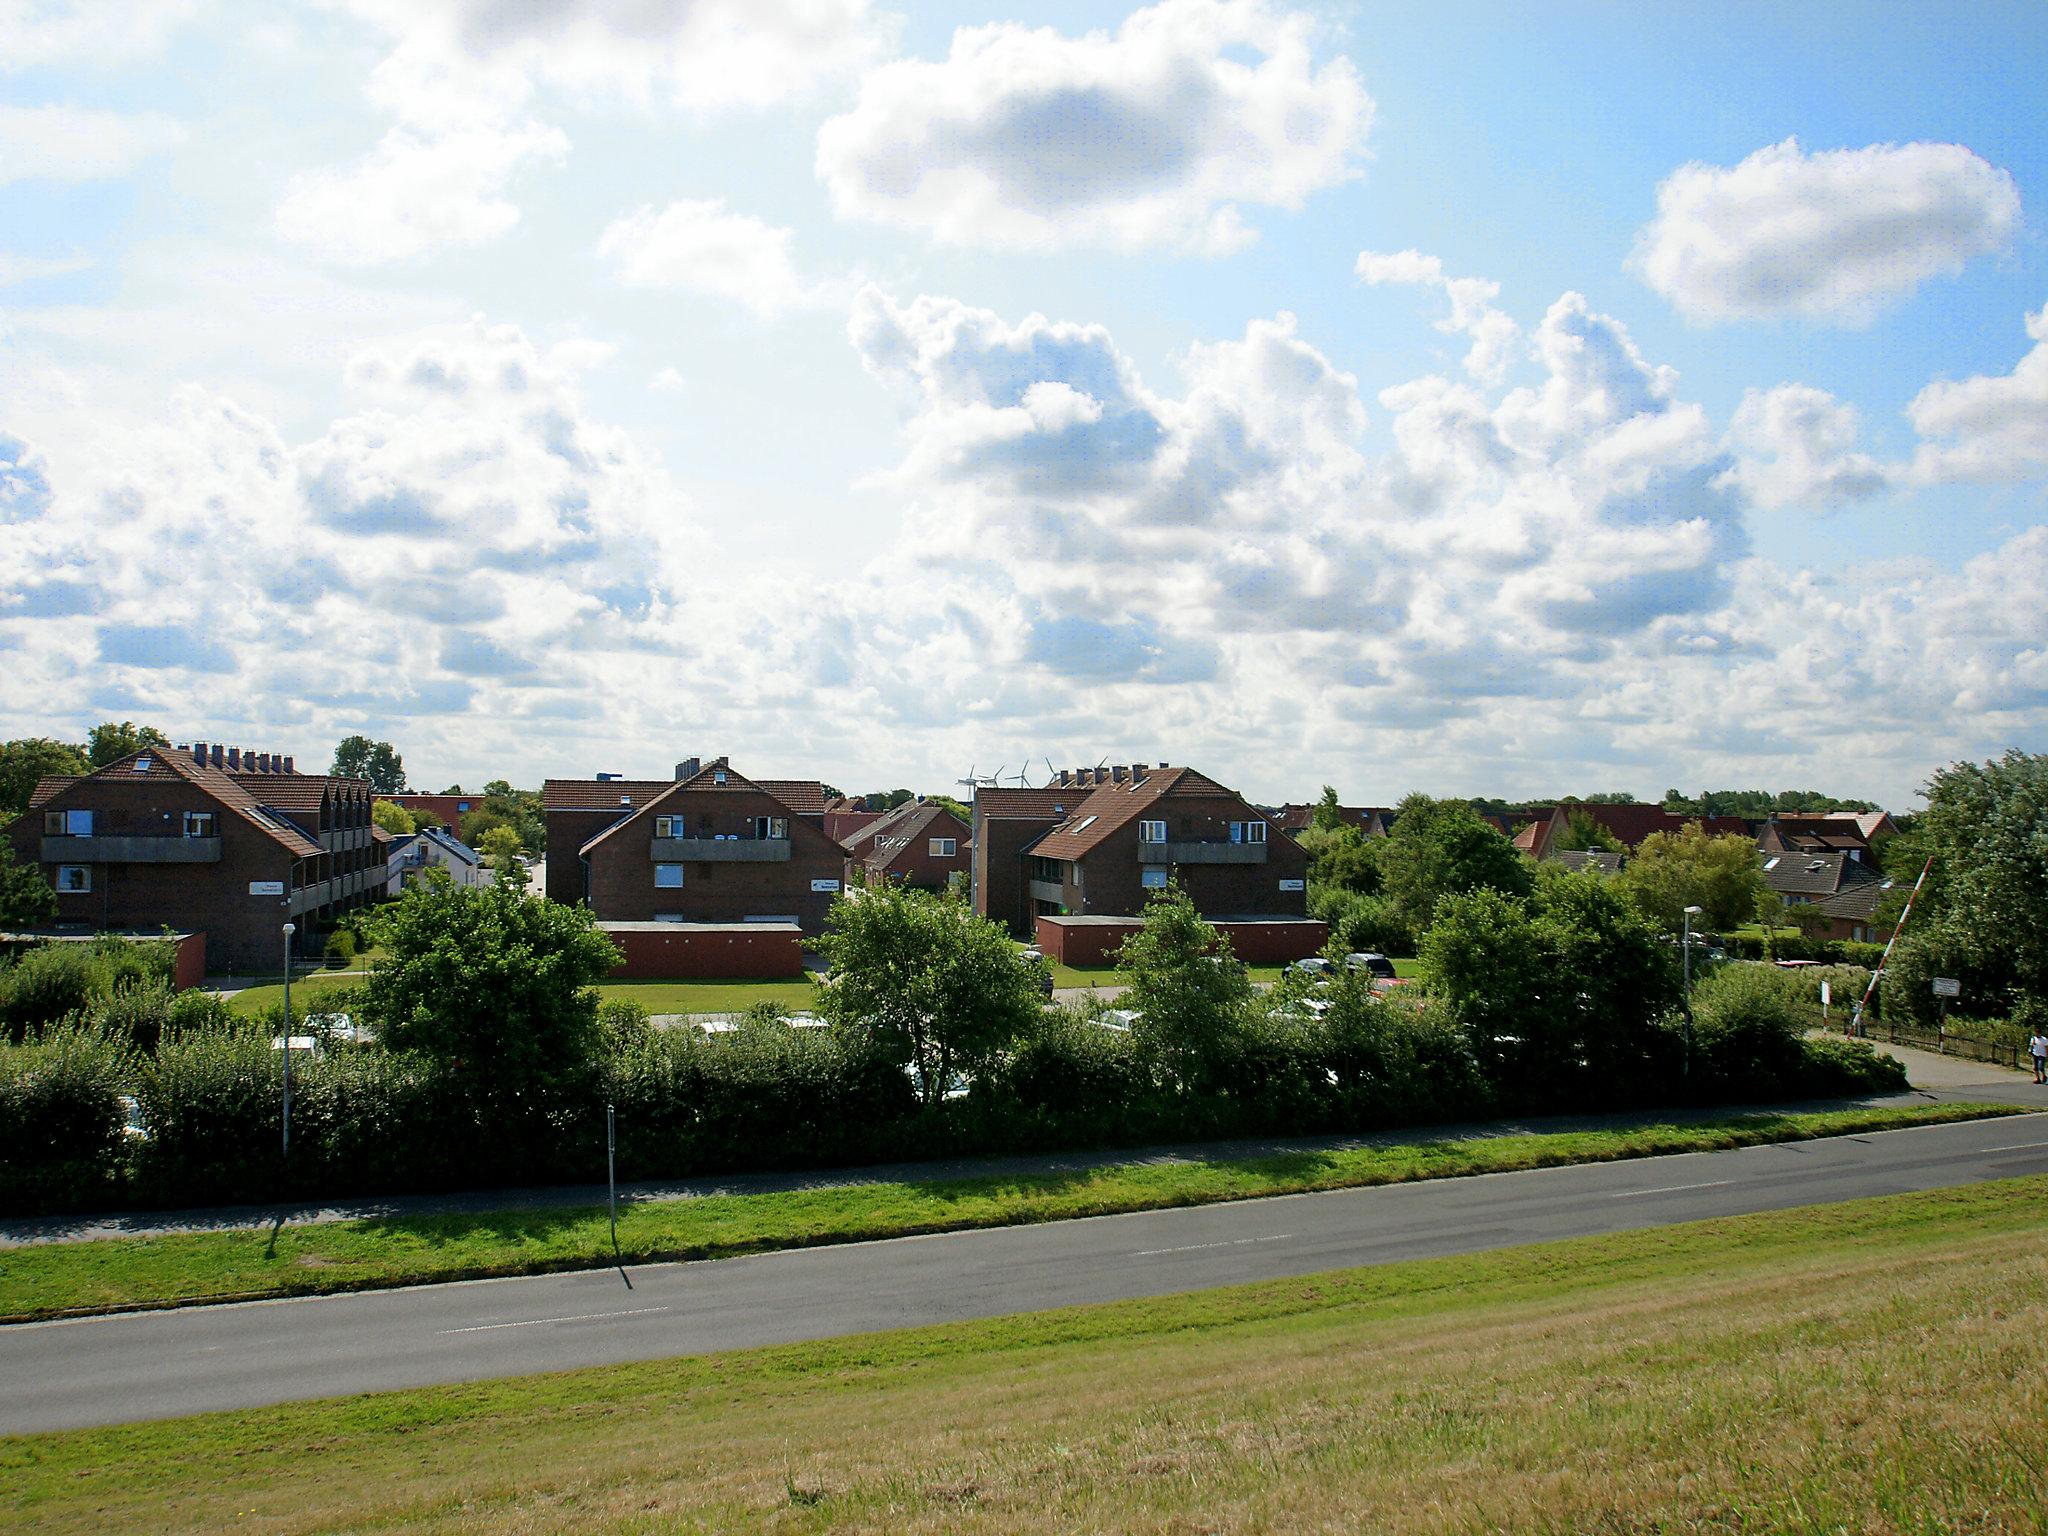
(708, 951)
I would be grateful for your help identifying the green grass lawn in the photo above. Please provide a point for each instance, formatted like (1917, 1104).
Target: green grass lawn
(654, 996)
(43, 1280)
(1875, 1366)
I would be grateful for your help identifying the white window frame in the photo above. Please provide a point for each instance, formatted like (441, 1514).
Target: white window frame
(1151, 831)
(74, 879)
(199, 824)
(661, 883)
(1255, 831)
(943, 847)
(1152, 879)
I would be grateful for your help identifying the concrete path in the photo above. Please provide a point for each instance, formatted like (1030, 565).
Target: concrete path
(163, 1364)
(1930, 1069)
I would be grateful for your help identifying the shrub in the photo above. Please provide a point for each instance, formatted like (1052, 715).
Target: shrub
(1071, 1081)
(1748, 1026)
(341, 947)
(1834, 1067)
(54, 981)
(211, 1105)
(137, 1014)
(62, 1136)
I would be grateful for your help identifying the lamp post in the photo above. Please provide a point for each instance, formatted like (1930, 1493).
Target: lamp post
(289, 930)
(1685, 1071)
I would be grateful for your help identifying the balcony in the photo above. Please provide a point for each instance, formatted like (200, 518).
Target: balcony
(1048, 890)
(131, 850)
(1201, 853)
(719, 850)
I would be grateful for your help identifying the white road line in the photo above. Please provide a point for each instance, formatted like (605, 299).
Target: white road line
(534, 1322)
(1669, 1189)
(2019, 1146)
(1240, 1242)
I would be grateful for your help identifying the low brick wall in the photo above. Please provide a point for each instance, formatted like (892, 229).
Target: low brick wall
(1093, 941)
(705, 951)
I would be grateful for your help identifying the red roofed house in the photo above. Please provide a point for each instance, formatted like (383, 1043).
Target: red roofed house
(217, 840)
(1372, 820)
(920, 844)
(1628, 824)
(709, 846)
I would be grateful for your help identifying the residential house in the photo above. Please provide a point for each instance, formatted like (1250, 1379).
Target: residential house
(844, 817)
(1815, 834)
(413, 854)
(1006, 821)
(1371, 820)
(920, 844)
(1549, 829)
(208, 839)
(708, 846)
(447, 809)
(1824, 877)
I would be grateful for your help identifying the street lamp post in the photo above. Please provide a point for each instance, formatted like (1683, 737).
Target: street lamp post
(1685, 1071)
(289, 930)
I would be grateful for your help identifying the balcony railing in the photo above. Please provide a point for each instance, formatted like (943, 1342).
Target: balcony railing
(1047, 890)
(1191, 852)
(719, 850)
(156, 849)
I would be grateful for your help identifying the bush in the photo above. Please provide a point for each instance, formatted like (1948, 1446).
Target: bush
(1748, 1028)
(1834, 1067)
(1361, 923)
(55, 981)
(137, 1014)
(341, 947)
(62, 1136)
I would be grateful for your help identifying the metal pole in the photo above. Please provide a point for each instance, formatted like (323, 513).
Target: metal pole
(1685, 1069)
(611, 1174)
(289, 930)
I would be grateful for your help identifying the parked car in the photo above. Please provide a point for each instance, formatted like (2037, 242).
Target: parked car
(1041, 971)
(1314, 965)
(1378, 966)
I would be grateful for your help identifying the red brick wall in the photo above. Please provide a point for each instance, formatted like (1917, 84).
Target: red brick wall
(1082, 944)
(191, 965)
(917, 866)
(678, 952)
(1088, 944)
(1002, 892)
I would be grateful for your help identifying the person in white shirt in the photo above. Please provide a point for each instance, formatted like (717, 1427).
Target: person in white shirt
(2039, 1046)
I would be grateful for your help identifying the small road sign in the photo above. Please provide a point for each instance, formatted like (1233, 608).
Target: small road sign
(1947, 986)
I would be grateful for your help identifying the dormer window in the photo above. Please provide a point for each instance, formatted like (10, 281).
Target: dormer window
(718, 776)
(142, 765)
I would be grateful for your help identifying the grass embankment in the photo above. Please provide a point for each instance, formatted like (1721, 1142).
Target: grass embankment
(52, 1279)
(654, 996)
(1876, 1366)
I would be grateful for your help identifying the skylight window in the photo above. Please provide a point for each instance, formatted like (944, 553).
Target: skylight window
(1085, 823)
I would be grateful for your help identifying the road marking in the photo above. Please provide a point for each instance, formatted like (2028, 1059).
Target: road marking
(1240, 1242)
(1669, 1189)
(534, 1322)
(2019, 1146)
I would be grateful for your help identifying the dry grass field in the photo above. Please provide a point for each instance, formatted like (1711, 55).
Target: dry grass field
(1876, 1367)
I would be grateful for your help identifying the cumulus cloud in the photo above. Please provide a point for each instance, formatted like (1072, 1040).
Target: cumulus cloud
(65, 143)
(1991, 427)
(34, 269)
(416, 193)
(1796, 446)
(1157, 134)
(700, 246)
(1833, 235)
(39, 33)
(1472, 313)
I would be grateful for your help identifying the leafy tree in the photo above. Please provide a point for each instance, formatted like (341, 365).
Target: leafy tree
(927, 982)
(110, 741)
(1559, 991)
(393, 818)
(949, 803)
(358, 757)
(1328, 815)
(1671, 871)
(1342, 858)
(500, 845)
(1441, 848)
(27, 760)
(422, 818)
(520, 809)
(25, 896)
(1189, 990)
(1582, 832)
(495, 987)
(478, 823)
(453, 789)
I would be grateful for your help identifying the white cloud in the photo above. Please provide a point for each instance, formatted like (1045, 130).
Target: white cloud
(416, 193)
(700, 246)
(1832, 235)
(1991, 427)
(85, 32)
(1796, 446)
(32, 269)
(1156, 134)
(64, 143)
(1472, 313)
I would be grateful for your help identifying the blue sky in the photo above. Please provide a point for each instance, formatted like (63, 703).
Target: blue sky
(1465, 397)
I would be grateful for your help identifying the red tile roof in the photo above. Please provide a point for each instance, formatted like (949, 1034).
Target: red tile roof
(905, 832)
(716, 777)
(213, 782)
(598, 794)
(1047, 804)
(1111, 806)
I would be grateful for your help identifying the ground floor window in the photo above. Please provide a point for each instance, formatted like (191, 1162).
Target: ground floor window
(668, 876)
(74, 878)
(1152, 879)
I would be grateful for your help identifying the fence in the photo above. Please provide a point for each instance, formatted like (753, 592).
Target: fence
(1942, 1043)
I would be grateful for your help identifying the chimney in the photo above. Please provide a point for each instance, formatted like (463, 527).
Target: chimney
(199, 753)
(288, 768)
(234, 759)
(263, 762)
(687, 769)
(1118, 774)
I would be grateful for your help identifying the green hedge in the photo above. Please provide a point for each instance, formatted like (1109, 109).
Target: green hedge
(62, 1140)
(1789, 946)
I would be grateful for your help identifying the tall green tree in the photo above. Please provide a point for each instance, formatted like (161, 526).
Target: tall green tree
(925, 981)
(25, 896)
(358, 757)
(1442, 848)
(393, 818)
(500, 989)
(1671, 871)
(24, 761)
(112, 740)
(1189, 990)
(1328, 815)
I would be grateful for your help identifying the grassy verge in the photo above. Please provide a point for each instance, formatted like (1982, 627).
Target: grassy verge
(54, 1279)
(1877, 1366)
(654, 996)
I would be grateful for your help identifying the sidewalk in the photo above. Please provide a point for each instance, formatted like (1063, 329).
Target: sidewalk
(18, 1232)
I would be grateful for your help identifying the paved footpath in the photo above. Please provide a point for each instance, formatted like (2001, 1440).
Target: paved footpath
(153, 1365)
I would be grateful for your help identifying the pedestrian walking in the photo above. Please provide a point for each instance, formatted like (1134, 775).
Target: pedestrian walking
(2039, 1046)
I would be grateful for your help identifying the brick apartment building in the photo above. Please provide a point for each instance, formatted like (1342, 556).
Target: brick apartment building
(221, 841)
(1095, 843)
(920, 844)
(707, 846)
(447, 809)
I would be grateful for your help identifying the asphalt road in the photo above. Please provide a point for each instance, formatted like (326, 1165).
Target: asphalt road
(164, 1364)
